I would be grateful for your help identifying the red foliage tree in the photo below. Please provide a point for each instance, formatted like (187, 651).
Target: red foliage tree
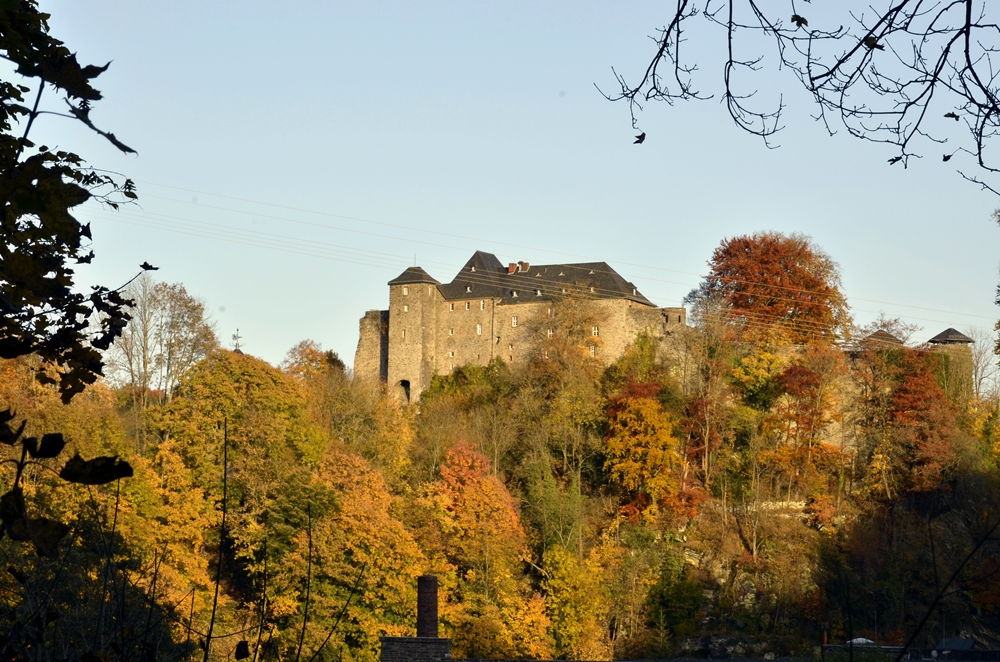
(769, 279)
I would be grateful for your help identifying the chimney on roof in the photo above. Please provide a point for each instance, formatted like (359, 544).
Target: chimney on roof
(427, 606)
(522, 266)
(511, 268)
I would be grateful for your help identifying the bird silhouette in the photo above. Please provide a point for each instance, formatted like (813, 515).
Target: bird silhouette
(947, 157)
(639, 139)
(952, 116)
(894, 160)
(799, 21)
(146, 266)
(871, 42)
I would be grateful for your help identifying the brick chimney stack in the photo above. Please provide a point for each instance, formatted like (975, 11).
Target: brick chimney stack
(427, 606)
(426, 646)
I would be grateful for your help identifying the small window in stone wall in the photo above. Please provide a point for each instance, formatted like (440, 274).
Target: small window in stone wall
(479, 329)
(406, 290)
(510, 347)
(482, 305)
(406, 308)
(468, 305)
(550, 313)
(596, 331)
(451, 332)
(593, 350)
(513, 320)
(404, 334)
(451, 355)
(549, 333)
(451, 306)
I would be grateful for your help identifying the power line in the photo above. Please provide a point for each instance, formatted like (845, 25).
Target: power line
(478, 240)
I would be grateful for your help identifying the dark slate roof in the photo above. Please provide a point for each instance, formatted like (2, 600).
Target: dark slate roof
(485, 276)
(883, 336)
(413, 275)
(950, 337)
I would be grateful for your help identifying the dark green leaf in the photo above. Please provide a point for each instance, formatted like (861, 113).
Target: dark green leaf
(45, 535)
(98, 471)
(52, 444)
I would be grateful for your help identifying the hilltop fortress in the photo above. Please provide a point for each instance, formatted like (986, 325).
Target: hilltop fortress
(490, 310)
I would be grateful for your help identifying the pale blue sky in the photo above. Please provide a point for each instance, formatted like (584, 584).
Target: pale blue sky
(440, 128)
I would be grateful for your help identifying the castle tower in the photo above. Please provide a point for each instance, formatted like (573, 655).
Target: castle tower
(954, 346)
(413, 304)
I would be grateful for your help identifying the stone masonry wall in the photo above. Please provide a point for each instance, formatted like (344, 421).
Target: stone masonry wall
(427, 335)
(371, 361)
(415, 649)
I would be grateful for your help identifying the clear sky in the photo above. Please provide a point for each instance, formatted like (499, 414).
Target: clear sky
(294, 157)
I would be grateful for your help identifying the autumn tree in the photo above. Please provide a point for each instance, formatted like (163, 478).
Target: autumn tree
(640, 448)
(486, 545)
(769, 281)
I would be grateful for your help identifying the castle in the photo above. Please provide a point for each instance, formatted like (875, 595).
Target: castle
(490, 310)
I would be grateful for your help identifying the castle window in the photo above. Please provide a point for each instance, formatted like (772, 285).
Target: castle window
(451, 332)
(549, 333)
(468, 305)
(510, 347)
(545, 354)
(678, 319)
(550, 313)
(430, 288)
(479, 329)
(634, 292)
(406, 308)
(514, 293)
(591, 289)
(538, 293)
(591, 271)
(406, 290)
(513, 320)
(596, 331)
(468, 288)
(511, 358)
(593, 350)
(561, 273)
(451, 355)
(482, 305)
(404, 334)
(564, 290)
(472, 269)
(451, 306)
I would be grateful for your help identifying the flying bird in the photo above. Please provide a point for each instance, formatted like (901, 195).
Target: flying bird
(639, 139)
(951, 116)
(799, 21)
(947, 157)
(146, 266)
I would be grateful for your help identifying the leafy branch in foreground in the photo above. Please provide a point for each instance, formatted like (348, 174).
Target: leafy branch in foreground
(40, 240)
(44, 533)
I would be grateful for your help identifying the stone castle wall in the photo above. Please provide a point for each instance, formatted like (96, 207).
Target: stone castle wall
(371, 361)
(422, 334)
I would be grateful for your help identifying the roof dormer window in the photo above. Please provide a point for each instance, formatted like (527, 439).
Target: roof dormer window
(513, 293)
(468, 288)
(634, 292)
(538, 293)
(472, 269)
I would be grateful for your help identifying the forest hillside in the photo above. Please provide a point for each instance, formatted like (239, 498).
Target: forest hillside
(771, 476)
